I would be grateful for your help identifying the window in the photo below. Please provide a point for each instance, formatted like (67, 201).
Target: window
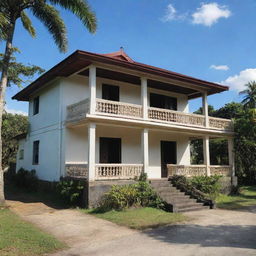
(110, 92)
(162, 101)
(36, 105)
(36, 152)
(21, 154)
(110, 150)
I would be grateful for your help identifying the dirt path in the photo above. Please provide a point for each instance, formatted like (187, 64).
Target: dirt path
(210, 232)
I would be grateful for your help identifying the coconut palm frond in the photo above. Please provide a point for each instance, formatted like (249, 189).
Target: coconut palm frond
(50, 17)
(82, 10)
(27, 24)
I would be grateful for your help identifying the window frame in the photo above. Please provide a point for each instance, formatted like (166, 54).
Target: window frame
(36, 103)
(35, 156)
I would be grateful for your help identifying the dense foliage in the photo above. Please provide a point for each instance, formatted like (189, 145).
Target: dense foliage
(71, 191)
(13, 125)
(208, 185)
(245, 148)
(132, 195)
(203, 188)
(244, 117)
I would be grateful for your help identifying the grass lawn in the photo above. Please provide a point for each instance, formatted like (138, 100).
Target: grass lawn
(247, 197)
(140, 218)
(18, 237)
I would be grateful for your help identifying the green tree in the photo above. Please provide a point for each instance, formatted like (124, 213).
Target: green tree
(44, 10)
(13, 125)
(249, 93)
(245, 148)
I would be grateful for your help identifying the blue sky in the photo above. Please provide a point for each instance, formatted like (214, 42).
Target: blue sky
(211, 40)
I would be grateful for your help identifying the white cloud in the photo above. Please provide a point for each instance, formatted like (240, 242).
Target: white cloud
(220, 67)
(171, 14)
(208, 14)
(14, 111)
(237, 82)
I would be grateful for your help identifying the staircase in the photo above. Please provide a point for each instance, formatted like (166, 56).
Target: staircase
(177, 201)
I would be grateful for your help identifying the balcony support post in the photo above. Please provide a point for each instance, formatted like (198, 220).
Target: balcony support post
(206, 155)
(144, 144)
(205, 109)
(92, 88)
(231, 158)
(144, 97)
(91, 151)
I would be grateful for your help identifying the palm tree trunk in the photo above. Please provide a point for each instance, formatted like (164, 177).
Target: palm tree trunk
(3, 85)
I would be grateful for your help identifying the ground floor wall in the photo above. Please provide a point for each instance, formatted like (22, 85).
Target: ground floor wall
(76, 146)
(48, 167)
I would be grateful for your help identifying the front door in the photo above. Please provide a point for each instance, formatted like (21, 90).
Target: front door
(168, 156)
(110, 150)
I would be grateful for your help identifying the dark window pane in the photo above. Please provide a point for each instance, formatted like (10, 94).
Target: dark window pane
(163, 101)
(36, 152)
(110, 150)
(36, 106)
(110, 92)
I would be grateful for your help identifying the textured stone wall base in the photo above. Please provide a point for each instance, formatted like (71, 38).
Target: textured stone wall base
(226, 185)
(96, 189)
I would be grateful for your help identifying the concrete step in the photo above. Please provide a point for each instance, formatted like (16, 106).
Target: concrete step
(166, 189)
(173, 194)
(192, 208)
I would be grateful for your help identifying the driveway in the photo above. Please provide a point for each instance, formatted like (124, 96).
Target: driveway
(209, 232)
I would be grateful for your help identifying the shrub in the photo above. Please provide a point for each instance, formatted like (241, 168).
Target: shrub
(25, 179)
(71, 191)
(138, 194)
(207, 184)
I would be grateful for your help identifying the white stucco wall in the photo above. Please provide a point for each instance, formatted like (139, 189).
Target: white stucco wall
(77, 146)
(59, 144)
(155, 138)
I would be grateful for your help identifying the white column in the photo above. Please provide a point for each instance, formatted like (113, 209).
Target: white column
(144, 97)
(206, 154)
(91, 151)
(92, 88)
(231, 158)
(144, 144)
(205, 109)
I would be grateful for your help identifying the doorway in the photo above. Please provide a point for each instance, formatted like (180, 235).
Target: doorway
(168, 156)
(110, 150)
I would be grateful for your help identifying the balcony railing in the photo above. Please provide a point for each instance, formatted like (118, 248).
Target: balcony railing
(117, 171)
(220, 123)
(175, 116)
(198, 170)
(79, 110)
(77, 170)
(118, 108)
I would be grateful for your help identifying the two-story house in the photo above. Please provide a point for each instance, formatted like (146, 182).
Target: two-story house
(106, 117)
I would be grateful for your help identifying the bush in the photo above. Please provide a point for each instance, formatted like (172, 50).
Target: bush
(27, 180)
(133, 195)
(207, 184)
(71, 191)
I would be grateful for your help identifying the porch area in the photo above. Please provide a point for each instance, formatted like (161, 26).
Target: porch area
(99, 152)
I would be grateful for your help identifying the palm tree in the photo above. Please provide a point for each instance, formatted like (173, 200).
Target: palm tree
(249, 100)
(45, 11)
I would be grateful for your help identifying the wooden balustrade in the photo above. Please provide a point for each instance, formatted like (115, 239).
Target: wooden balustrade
(117, 171)
(77, 170)
(78, 110)
(118, 108)
(220, 123)
(198, 170)
(176, 116)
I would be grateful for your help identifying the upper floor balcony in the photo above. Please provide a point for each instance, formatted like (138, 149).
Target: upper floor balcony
(78, 111)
